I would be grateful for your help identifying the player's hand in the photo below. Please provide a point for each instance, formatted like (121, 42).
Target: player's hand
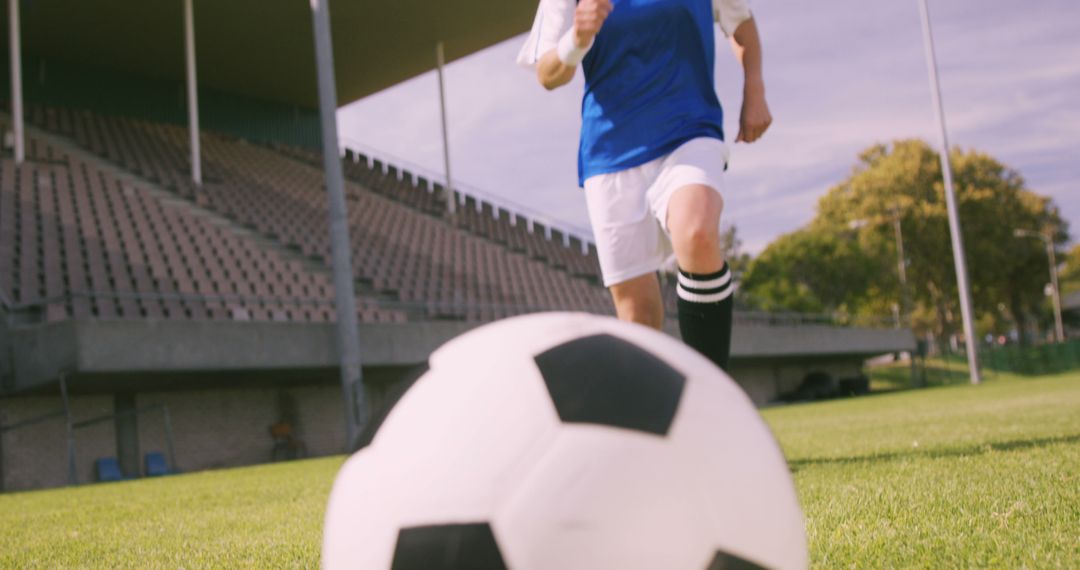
(755, 118)
(588, 19)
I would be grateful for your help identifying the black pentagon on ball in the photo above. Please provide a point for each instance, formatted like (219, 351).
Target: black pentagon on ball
(605, 380)
(726, 561)
(468, 546)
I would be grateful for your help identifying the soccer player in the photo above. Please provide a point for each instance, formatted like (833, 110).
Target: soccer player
(652, 152)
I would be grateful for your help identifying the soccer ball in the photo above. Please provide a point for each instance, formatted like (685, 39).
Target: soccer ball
(567, 441)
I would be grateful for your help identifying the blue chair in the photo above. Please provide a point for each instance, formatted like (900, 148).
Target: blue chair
(108, 469)
(154, 464)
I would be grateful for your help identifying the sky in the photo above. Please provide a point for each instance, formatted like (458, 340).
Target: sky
(840, 76)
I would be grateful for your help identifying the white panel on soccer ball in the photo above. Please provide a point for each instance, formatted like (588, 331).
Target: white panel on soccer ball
(605, 498)
(451, 448)
(355, 535)
(734, 460)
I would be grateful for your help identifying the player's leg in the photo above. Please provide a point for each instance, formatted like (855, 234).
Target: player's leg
(630, 244)
(705, 286)
(638, 300)
(687, 200)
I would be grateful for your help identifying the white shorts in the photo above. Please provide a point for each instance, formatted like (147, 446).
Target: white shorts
(628, 209)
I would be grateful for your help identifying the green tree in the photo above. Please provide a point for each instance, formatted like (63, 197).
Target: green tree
(845, 260)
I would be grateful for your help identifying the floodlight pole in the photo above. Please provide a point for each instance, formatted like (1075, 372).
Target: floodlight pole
(16, 81)
(192, 93)
(348, 332)
(1048, 240)
(451, 202)
(901, 265)
(950, 200)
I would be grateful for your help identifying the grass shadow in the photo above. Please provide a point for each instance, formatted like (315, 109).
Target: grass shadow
(970, 450)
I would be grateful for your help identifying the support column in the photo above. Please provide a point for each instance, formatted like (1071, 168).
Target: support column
(73, 475)
(451, 201)
(348, 332)
(126, 423)
(16, 81)
(192, 93)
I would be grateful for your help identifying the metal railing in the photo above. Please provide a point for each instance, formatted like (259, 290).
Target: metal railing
(531, 216)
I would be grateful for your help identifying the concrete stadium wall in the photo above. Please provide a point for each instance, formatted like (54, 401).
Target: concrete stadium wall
(228, 428)
(211, 429)
(7, 365)
(35, 457)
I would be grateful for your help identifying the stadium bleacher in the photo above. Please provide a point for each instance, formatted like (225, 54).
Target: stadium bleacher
(80, 241)
(112, 248)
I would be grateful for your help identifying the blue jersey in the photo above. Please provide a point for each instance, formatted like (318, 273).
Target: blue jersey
(649, 84)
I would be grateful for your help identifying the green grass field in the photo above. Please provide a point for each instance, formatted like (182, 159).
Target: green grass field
(947, 477)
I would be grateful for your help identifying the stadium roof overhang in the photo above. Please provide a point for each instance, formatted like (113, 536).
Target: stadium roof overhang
(264, 48)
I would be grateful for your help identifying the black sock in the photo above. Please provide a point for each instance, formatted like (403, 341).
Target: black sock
(705, 313)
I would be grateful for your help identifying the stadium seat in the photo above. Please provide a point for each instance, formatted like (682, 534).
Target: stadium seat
(154, 464)
(108, 469)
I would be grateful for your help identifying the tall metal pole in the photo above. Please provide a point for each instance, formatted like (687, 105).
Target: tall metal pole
(16, 81)
(950, 201)
(192, 93)
(1051, 257)
(901, 266)
(451, 203)
(1059, 327)
(348, 332)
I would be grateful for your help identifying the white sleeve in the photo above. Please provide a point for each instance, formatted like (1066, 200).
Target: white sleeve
(553, 19)
(730, 13)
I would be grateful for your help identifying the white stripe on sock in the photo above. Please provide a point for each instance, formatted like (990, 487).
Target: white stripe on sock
(698, 298)
(710, 284)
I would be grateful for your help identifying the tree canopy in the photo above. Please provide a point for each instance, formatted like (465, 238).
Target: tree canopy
(845, 261)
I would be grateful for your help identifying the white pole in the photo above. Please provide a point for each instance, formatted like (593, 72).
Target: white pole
(1051, 258)
(1059, 327)
(901, 266)
(348, 331)
(16, 81)
(950, 201)
(451, 204)
(192, 93)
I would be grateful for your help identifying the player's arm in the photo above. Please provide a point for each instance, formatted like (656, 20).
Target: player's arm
(556, 67)
(755, 117)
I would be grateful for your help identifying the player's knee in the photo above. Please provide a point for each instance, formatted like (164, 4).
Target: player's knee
(697, 236)
(694, 218)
